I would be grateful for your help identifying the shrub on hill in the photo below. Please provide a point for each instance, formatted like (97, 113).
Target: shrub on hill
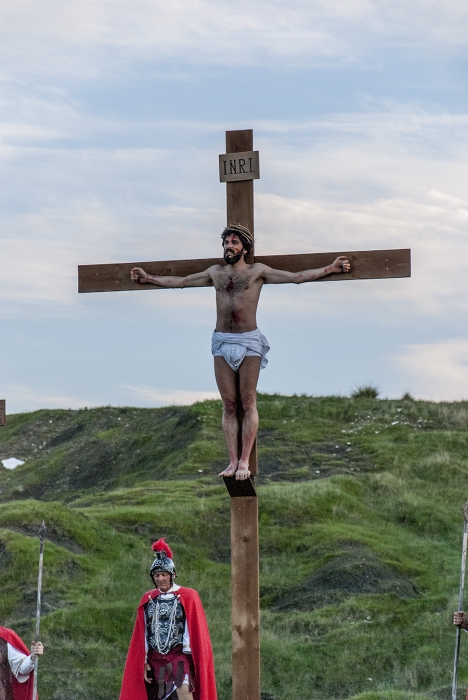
(365, 392)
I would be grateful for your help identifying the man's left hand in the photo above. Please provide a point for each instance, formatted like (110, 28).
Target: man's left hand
(341, 264)
(37, 649)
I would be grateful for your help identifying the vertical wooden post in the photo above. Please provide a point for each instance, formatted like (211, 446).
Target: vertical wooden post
(2, 412)
(245, 599)
(244, 509)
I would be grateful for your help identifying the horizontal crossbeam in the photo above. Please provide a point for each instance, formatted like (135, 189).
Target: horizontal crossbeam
(365, 264)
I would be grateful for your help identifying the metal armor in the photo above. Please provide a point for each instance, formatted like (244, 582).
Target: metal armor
(165, 623)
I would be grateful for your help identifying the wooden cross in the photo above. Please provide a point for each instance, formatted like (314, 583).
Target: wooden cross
(2, 412)
(238, 168)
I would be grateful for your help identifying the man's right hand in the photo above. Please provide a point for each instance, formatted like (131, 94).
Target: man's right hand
(137, 274)
(460, 620)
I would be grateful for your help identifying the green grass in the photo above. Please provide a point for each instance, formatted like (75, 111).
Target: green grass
(361, 515)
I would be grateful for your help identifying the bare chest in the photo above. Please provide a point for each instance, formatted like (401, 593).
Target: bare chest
(234, 284)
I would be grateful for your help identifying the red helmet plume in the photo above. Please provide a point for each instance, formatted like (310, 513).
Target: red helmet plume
(161, 546)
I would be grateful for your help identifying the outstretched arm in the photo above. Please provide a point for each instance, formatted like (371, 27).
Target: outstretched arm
(198, 279)
(272, 276)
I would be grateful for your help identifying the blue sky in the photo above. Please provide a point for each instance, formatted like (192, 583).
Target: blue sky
(112, 116)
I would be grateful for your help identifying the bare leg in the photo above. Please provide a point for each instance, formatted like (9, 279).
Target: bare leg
(226, 381)
(248, 379)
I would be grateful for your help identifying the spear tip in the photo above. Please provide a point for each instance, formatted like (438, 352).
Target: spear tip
(465, 511)
(42, 530)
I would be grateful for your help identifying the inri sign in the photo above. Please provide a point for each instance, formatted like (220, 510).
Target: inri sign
(239, 166)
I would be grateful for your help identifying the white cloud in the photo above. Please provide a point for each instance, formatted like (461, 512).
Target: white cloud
(382, 180)
(437, 371)
(37, 275)
(151, 396)
(25, 398)
(80, 185)
(435, 233)
(94, 36)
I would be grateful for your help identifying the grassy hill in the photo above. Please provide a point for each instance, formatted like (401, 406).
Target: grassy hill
(361, 521)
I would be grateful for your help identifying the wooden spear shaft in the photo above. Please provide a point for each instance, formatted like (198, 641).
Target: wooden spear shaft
(460, 602)
(42, 532)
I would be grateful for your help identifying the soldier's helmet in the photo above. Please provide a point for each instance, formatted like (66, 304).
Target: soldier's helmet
(163, 561)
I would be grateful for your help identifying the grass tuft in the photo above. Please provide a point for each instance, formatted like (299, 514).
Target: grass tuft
(368, 391)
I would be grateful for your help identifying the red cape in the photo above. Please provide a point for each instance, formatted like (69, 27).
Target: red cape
(133, 685)
(21, 691)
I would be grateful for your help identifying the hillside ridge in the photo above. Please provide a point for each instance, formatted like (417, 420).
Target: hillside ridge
(360, 506)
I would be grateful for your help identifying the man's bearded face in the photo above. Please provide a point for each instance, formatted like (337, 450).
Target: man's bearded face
(233, 249)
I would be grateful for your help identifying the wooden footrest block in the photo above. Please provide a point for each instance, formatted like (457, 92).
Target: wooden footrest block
(238, 489)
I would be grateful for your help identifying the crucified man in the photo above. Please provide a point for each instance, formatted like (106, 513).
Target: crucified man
(237, 345)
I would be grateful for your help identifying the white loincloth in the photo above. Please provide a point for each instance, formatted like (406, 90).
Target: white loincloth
(235, 346)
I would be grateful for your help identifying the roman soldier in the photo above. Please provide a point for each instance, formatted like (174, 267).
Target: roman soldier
(170, 655)
(16, 666)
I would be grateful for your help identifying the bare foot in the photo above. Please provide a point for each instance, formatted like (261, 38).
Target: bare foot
(242, 472)
(230, 471)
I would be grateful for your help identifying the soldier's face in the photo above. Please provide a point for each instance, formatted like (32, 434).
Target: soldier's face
(162, 580)
(233, 249)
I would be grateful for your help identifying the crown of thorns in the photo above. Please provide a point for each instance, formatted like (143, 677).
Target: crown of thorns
(242, 231)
